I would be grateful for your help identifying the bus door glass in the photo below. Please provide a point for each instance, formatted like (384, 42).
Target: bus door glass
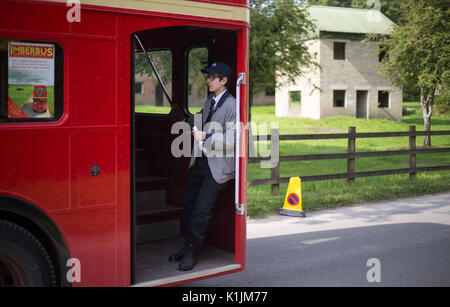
(150, 96)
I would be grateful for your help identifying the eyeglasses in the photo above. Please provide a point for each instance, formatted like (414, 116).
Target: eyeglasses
(211, 77)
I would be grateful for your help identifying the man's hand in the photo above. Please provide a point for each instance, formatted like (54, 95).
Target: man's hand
(199, 135)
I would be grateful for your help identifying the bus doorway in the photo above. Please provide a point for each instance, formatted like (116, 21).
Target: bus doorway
(167, 86)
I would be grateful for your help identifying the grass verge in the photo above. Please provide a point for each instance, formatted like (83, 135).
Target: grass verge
(335, 193)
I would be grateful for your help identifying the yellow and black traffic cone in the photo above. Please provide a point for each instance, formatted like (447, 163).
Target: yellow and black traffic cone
(293, 201)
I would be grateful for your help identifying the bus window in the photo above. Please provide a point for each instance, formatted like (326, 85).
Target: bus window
(31, 81)
(149, 94)
(197, 89)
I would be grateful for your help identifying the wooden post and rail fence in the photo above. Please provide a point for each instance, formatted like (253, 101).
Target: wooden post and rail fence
(350, 155)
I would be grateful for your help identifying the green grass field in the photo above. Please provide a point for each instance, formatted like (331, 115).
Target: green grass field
(334, 193)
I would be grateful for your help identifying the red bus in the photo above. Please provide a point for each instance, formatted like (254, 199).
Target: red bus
(40, 98)
(90, 192)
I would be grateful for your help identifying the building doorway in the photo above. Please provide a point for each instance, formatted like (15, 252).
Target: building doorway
(361, 104)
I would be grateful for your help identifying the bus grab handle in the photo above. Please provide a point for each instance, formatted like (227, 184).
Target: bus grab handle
(239, 207)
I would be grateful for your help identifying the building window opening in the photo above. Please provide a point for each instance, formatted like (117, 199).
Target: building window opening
(339, 51)
(383, 99)
(339, 98)
(139, 88)
(382, 55)
(295, 97)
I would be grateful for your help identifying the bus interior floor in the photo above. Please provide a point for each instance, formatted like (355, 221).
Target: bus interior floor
(153, 267)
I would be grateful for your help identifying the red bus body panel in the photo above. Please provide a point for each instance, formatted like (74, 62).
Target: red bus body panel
(92, 213)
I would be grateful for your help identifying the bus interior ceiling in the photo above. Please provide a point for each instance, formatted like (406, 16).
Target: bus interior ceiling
(160, 177)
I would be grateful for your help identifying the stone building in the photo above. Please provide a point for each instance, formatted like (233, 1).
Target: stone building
(349, 82)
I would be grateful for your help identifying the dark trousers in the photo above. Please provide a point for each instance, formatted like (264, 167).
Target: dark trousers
(199, 197)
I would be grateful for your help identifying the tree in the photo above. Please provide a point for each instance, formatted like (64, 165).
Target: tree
(391, 8)
(419, 52)
(161, 59)
(278, 34)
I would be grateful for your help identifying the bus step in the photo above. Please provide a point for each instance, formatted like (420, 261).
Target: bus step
(151, 183)
(143, 153)
(158, 214)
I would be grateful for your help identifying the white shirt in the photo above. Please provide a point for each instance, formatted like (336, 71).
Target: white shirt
(217, 98)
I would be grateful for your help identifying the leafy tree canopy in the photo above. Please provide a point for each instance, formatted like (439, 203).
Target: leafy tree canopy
(278, 32)
(419, 51)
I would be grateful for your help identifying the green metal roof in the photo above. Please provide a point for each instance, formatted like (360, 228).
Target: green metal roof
(349, 20)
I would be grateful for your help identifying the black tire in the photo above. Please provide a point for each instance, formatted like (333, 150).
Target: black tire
(24, 261)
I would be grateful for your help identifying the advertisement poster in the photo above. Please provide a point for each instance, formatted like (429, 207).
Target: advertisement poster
(31, 80)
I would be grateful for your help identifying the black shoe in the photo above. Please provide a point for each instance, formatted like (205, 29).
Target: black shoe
(178, 256)
(189, 259)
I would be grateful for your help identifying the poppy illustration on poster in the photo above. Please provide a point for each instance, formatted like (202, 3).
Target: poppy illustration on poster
(31, 80)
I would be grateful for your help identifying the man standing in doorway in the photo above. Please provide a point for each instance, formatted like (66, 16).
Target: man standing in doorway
(209, 167)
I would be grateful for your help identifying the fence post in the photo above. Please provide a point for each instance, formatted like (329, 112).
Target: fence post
(412, 156)
(275, 153)
(351, 150)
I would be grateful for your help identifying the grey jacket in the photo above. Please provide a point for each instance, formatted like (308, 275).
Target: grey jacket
(220, 146)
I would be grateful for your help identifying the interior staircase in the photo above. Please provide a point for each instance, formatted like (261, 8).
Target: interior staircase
(157, 218)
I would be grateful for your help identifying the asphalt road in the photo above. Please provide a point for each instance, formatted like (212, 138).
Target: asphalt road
(405, 242)
(28, 109)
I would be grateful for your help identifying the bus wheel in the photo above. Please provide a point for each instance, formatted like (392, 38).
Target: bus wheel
(24, 261)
